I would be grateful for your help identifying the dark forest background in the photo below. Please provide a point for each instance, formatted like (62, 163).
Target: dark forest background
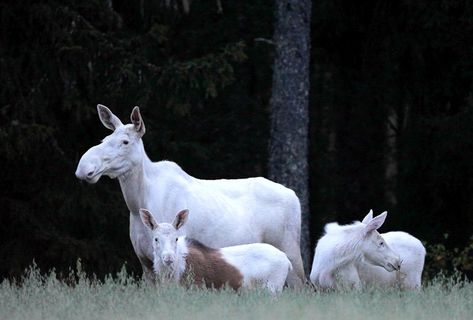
(391, 115)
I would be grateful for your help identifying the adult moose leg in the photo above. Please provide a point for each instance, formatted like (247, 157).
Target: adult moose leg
(290, 243)
(290, 246)
(148, 273)
(142, 247)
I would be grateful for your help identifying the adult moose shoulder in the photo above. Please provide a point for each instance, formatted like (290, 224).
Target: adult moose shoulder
(248, 210)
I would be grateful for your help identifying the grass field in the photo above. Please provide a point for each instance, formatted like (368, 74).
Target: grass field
(44, 297)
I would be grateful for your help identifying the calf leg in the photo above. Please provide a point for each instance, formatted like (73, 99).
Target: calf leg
(277, 279)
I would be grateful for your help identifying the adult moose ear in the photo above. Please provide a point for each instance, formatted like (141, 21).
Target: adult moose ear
(376, 222)
(180, 219)
(137, 121)
(368, 217)
(148, 219)
(109, 120)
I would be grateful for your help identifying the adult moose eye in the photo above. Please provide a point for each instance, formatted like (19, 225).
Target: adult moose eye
(177, 239)
(125, 141)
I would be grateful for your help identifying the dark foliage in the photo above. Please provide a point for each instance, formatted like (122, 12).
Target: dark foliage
(391, 87)
(410, 60)
(58, 60)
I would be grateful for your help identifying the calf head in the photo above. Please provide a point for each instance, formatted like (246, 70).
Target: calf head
(165, 238)
(375, 249)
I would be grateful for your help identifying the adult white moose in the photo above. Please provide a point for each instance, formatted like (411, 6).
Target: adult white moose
(180, 259)
(342, 247)
(224, 212)
(412, 254)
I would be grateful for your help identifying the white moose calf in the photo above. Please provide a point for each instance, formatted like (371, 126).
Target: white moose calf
(242, 266)
(412, 254)
(338, 251)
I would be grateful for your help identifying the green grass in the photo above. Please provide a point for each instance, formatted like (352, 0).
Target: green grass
(45, 297)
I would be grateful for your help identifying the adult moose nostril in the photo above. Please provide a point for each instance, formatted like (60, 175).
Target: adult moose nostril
(85, 171)
(81, 173)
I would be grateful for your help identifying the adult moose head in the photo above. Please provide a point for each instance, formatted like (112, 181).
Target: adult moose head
(247, 210)
(118, 153)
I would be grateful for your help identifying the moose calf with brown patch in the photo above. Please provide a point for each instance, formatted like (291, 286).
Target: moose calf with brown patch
(244, 266)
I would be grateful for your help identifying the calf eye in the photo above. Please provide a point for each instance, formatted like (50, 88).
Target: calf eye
(381, 244)
(125, 141)
(177, 239)
(156, 239)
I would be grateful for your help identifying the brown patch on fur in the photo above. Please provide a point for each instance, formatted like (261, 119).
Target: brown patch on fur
(208, 267)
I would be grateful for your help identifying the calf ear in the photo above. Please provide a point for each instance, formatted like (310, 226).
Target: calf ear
(148, 219)
(109, 120)
(137, 121)
(180, 219)
(368, 217)
(376, 222)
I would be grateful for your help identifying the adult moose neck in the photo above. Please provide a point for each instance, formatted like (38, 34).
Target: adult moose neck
(133, 182)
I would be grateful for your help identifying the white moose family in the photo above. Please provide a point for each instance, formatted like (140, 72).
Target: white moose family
(241, 233)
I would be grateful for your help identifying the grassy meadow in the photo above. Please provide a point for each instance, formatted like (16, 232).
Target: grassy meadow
(122, 297)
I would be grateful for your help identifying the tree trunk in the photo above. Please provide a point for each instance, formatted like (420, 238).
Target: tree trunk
(288, 145)
(391, 170)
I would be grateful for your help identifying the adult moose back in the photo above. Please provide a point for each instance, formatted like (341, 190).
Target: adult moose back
(248, 210)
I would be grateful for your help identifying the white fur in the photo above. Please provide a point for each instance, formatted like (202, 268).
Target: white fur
(224, 212)
(260, 264)
(338, 251)
(412, 254)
